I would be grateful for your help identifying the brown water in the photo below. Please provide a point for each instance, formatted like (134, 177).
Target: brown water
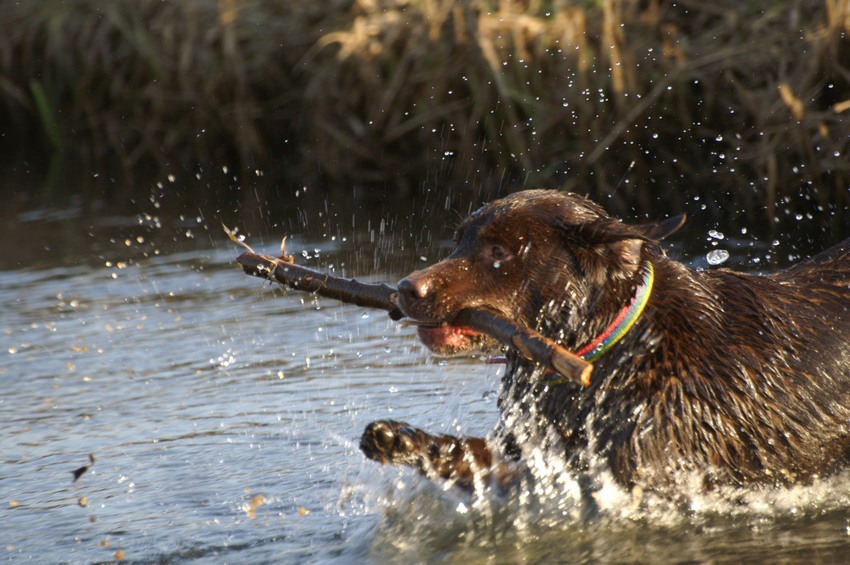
(223, 415)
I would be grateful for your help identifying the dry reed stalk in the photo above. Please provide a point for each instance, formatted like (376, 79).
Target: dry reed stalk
(682, 98)
(541, 101)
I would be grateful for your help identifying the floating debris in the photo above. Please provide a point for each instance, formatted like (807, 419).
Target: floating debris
(80, 471)
(250, 508)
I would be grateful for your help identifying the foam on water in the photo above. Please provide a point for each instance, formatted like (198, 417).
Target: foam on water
(554, 514)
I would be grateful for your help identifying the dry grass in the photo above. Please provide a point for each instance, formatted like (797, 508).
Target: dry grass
(142, 80)
(744, 103)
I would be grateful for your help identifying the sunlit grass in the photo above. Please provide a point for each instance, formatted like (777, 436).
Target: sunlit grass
(744, 101)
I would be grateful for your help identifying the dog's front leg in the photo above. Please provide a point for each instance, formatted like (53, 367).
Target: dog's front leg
(443, 456)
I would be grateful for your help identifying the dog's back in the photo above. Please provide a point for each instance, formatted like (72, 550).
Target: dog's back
(831, 267)
(738, 378)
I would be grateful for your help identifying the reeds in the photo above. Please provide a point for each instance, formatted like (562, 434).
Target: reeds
(143, 80)
(736, 102)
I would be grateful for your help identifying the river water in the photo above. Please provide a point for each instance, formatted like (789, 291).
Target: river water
(219, 416)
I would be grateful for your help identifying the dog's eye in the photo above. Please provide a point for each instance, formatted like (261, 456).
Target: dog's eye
(497, 256)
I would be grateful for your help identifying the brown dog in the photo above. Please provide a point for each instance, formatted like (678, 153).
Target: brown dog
(730, 377)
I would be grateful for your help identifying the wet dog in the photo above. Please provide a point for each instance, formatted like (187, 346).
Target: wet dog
(733, 378)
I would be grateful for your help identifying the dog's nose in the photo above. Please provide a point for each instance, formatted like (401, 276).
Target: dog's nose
(412, 288)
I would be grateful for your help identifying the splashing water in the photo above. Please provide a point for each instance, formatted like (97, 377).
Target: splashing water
(172, 373)
(717, 256)
(556, 516)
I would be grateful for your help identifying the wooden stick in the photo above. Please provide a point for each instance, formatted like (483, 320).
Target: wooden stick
(350, 291)
(529, 343)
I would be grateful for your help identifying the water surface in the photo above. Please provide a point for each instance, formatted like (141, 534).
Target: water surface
(223, 417)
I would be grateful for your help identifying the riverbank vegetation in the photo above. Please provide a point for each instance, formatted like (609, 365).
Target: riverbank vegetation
(743, 103)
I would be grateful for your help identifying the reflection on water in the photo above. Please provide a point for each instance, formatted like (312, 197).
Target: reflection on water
(197, 389)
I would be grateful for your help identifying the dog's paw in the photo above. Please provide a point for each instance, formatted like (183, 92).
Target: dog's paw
(388, 441)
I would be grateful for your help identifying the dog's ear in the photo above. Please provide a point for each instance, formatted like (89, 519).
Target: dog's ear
(609, 230)
(625, 241)
(660, 230)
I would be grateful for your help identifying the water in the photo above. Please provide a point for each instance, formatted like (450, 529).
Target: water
(223, 416)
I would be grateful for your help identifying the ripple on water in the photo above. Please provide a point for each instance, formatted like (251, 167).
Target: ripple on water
(198, 389)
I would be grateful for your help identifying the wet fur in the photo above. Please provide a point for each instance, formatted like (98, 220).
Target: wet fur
(730, 377)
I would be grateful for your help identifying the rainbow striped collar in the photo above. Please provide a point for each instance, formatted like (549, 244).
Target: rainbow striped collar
(624, 320)
(621, 325)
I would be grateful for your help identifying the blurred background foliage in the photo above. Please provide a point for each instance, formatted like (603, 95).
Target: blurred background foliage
(744, 105)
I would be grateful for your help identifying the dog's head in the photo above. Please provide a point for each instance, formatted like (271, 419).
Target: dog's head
(548, 260)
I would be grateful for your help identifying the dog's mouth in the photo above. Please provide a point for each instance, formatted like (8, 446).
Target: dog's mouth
(448, 339)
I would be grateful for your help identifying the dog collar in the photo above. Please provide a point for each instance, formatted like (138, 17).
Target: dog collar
(613, 333)
(624, 320)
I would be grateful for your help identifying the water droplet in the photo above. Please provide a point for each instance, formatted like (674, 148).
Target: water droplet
(717, 256)
(715, 234)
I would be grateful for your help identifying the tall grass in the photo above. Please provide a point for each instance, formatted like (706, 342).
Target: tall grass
(142, 80)
(739, 103)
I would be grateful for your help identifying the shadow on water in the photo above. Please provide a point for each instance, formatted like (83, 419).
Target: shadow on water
(224, 414)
